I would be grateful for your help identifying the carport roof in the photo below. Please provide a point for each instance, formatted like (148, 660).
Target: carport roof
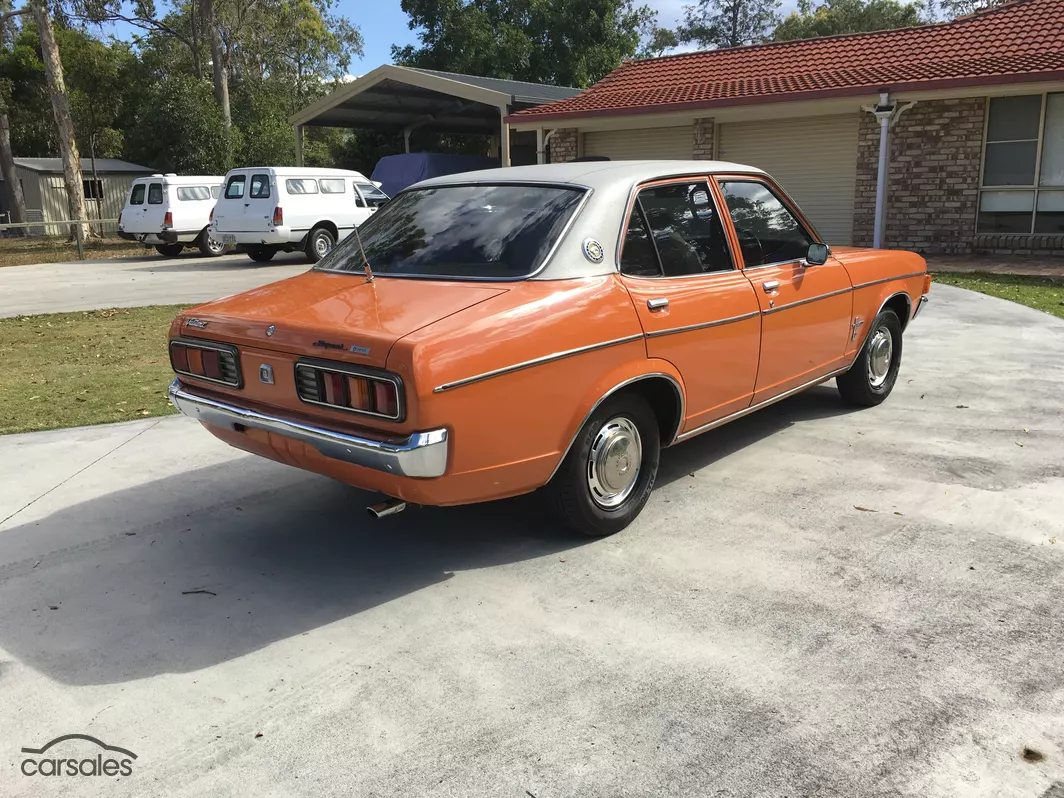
(1020, 41)
(394, 97)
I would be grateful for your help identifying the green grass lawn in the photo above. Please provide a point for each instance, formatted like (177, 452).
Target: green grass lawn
(19, 251)
(1039, 293)
(72, 369)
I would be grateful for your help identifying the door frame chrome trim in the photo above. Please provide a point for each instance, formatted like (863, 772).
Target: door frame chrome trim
(764, 403)
(527, 364)
(679, 423)
(800, 302)
(703, 326)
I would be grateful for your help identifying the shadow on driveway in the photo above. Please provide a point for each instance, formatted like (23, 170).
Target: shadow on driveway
(288, 553)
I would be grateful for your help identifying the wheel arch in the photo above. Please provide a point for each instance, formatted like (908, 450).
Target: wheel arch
(662, 391)
(901, 303)
(326, 224)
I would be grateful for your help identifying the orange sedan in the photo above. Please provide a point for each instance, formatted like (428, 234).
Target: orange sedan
(490, 334)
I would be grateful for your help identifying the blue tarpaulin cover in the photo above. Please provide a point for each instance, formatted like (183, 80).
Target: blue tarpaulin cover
(396, 172)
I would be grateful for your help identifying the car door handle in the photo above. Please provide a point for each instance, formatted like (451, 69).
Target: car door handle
(659, 303)
(770, 285)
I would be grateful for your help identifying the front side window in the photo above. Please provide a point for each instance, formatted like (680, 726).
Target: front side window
(373, 196)
(234, 189)
(193, 193)
(303, 185)
(768, 232)
(260, 187)
(502, 231)
(136, 196)
(155, 194)
(1023, 165)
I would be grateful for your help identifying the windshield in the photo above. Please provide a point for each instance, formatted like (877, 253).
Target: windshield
(487, 231)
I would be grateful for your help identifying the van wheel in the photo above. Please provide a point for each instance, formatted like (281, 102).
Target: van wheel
(208, 246)
(261, 254)
(170, 250)
(608, 474)
(319, 244)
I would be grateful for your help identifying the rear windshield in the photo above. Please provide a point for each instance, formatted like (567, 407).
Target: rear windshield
(486, 231)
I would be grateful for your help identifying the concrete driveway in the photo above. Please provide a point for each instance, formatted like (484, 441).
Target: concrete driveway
(815, 602)
(134, 282)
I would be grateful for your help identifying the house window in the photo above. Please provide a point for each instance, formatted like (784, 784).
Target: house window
(1023, 166)
(93, 189)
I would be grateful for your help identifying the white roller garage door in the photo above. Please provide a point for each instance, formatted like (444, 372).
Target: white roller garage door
(669, 143)
(814, 159)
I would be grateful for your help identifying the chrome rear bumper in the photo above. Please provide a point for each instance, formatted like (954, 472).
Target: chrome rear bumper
(420, 455)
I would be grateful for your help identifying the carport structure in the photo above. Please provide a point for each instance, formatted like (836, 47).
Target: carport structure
(395, 98)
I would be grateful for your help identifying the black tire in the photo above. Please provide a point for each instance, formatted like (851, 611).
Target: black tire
(208, 247)
(320, 242)
(569, 496)
(261, 254)
(170, 250)
(868, 382)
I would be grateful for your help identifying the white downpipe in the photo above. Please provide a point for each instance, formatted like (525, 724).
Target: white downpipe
(881, 178)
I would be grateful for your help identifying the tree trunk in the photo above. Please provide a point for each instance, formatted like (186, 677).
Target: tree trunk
(97, 186)
(68, 148)
(17, 202)
(219, 73)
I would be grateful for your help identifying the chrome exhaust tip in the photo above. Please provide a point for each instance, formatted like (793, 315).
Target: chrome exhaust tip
(386, 507)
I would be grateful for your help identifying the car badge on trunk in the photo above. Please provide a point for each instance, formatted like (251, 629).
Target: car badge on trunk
(197, 323)
(359, 350)
(270, 330)
(266, 374)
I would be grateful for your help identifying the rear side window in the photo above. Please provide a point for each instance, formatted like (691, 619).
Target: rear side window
(193, 193)
(333, 185)
(155, 194)
(216, 191)
(768, 232)
(638, 257)
(234, 189)
(136, 196)
(302, 185)
(260, 187)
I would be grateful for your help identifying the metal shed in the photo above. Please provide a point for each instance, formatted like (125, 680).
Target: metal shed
(43, 189)
(396, 98)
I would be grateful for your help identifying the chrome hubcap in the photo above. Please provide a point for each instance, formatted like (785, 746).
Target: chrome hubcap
(613, 463)
(215, 246)
(322, 246)
(880, 351)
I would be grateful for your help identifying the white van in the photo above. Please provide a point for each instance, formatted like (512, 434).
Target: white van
(284, 209)
(172, 212)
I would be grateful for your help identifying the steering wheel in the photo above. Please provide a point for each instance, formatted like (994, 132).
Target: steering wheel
(747, 234)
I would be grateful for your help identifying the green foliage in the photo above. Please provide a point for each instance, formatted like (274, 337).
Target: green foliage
(846, 16)
(729, 23)
(178, 127)
(561, 42)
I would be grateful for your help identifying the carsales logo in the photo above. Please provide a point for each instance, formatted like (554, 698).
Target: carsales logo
(111, 761)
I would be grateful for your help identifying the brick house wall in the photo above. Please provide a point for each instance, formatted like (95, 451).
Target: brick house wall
(703, 145)
(564, 145)
(933, 192)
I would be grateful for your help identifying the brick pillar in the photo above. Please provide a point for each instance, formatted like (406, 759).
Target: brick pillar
(703, 140)
(564, 145)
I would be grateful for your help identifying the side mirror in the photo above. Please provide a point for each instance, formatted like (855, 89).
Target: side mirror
(817, 254)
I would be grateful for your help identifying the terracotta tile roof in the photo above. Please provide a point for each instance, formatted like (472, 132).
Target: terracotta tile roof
(1017, 42)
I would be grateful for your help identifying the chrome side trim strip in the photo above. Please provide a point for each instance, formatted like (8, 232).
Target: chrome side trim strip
(746, 411)
(420, 455)
(889, 279)
(790, 305)
(703, 325)
(611, 392)
(487, 375)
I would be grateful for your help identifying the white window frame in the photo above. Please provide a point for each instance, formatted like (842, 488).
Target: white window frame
(1035, 189)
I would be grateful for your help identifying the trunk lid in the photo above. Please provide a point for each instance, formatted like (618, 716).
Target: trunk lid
(338, 317)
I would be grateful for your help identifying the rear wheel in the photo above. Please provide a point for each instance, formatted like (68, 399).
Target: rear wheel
(170, 250)
(872, 376)
(608, 474)
(319, 244)
(208, 246)
(261, 254)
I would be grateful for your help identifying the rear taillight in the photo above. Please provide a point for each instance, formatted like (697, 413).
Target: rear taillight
(206, 361)
(120, 218)
(168, 220)
(210, 217)
(359, 390)
(278, 216)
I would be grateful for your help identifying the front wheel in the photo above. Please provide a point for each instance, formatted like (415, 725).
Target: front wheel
(170, 250)
(608, 474)
(872, 376)
(261, 254)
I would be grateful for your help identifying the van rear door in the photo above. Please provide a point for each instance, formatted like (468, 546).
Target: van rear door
(146, 207)
(246, 204)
